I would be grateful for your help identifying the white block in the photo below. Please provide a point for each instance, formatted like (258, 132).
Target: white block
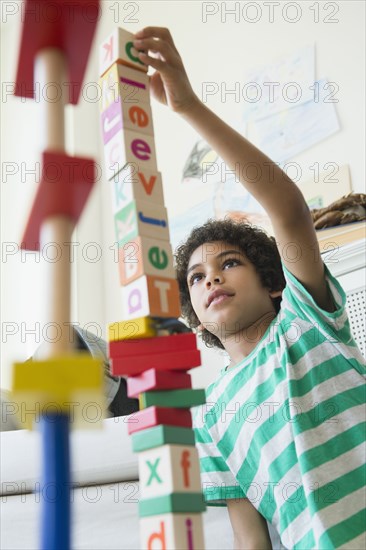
(118, 47)
(123, 83)
(172, 531)
(169, 469)
(134, 184)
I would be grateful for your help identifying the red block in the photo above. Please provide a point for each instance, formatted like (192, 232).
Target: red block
(159, 344)
(64, 188)
(131, 366)
(152, 416)
(68, 26)
(153, 379)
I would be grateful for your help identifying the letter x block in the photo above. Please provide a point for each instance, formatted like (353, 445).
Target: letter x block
(169, 469)
(70, 384)
(173, 531)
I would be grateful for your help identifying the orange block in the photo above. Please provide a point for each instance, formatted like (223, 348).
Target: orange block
(151, 296)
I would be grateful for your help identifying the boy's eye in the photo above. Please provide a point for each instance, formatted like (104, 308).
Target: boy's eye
(230, 262)
(194, 278)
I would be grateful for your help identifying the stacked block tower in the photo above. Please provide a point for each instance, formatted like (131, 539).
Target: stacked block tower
(171, 502)
(52, 392)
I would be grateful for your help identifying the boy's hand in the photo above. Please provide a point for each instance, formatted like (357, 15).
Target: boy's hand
(169, 84)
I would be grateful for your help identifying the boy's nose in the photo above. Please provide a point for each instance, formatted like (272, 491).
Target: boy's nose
(212, 279)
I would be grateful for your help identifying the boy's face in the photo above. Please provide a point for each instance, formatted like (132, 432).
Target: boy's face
(226, 292)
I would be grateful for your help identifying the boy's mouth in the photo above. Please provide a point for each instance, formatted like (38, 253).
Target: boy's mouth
(218, 296)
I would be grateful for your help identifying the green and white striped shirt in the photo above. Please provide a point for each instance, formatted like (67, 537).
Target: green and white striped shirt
(285, 427)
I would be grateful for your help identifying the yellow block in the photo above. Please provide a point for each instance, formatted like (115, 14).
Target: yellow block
(142, 327)
(71, 384)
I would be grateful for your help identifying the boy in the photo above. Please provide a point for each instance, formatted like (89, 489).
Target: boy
(281, 437)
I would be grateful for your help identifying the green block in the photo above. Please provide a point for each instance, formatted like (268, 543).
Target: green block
(172, 503)
(180, 399)
(161, 435)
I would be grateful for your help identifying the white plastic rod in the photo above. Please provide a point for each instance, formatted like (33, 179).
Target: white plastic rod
(56, 231)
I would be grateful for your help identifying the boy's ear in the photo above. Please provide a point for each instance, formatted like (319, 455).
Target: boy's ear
(275, 293)
(200, 328)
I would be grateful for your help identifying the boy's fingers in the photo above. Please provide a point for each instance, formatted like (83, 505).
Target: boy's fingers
(159, 32)
(154, 62)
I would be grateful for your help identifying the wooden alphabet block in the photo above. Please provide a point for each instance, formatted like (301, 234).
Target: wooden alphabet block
(145, 256)
(173, 531)
(120, 116)
(162, 435)
(173, 503)
(154, 379)
(133, 184)
(159, 344)
(151, 296)
(141, 218)
(148, 418)
(132, 366)
(181, 398)
(72, 384)
(128, 330)
(169, 469)
(128, 146)
(118, 48)
(122, 83)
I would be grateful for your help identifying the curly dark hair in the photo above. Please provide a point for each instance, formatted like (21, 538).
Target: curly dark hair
(260, 249)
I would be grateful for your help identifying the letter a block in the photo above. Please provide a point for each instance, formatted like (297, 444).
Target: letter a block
(64, 385)
(118, 48)
(172, 531)
(145, 256)
(151, 296)
(132, 184)
(169, 469)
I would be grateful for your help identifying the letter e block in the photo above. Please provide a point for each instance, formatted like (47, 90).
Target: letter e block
(128, 146)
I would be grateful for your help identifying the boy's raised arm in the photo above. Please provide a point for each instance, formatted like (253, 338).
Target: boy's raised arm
(271, 187)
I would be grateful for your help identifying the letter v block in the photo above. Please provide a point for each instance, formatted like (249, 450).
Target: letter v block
(145, 256)
(151, 296)
(182, 398)
(132, 184)
(118, 48)
(124, 84)
(128, 146)
(64, 385)
(141, 218)
(169, 469)
(173, 531)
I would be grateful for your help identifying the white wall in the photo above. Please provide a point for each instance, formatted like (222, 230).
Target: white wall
(220, 50)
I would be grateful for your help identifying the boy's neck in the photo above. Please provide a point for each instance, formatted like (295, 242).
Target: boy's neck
(241, 344)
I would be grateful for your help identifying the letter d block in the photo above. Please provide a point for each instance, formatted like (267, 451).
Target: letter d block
(144, 256)
(128, 146)
(151, 296)
(173, 531)
(69, 384)
(169, 469)
(132, 184)
(118, 48)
